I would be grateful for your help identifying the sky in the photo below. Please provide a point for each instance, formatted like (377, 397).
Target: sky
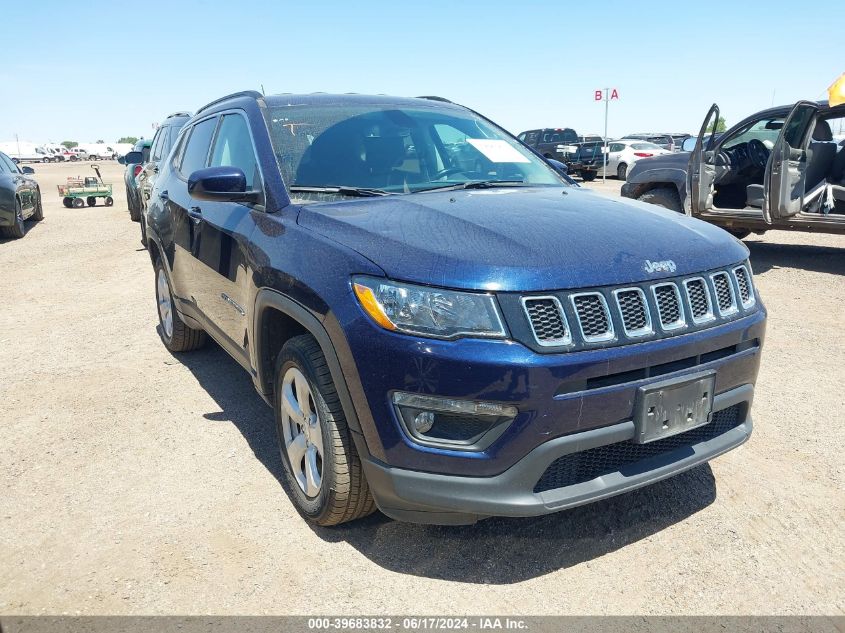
(125, 66)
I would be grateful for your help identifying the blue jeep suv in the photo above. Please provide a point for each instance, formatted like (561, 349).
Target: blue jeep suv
(446, 328)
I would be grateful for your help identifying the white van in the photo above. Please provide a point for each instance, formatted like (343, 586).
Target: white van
(25, 152)
(97, 151)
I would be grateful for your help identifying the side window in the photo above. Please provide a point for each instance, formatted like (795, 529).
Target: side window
(10, 165)
(569, 136)
(616, 147)
(233, 148)
(3, 168)
(158, 143)
(531, 138)
(196, 151)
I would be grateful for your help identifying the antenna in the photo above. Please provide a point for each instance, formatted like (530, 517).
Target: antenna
(263, 94)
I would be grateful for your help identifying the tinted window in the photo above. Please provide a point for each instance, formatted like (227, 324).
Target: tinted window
(233, 148)
(158, 143)
(645, 146)
(196, 151)
(10, 165)
(531, 139)
(3, 168)
(616, 147)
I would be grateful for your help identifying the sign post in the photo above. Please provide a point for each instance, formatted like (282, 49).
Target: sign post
(605, 95)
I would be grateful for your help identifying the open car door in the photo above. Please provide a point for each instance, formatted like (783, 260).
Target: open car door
(701, 172)
(783, 183)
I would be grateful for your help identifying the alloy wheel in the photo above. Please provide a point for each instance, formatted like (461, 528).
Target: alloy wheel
(303, 433)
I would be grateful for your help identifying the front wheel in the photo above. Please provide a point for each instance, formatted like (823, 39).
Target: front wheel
(663, 197)
(174, 333)
(17, 230)
(622, 171)
(38, 215)
(91, 200)
(322, 468)
(109, 201)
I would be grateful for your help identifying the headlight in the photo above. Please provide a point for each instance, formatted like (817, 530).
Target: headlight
(428, 311)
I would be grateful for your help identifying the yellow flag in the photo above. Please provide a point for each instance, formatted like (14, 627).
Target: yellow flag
(836, 92)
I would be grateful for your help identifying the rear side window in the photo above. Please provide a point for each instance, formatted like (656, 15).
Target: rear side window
(233, 148)
(531, 138)
(10, 164)
(616, 147)
(196, 151)
(158, 144)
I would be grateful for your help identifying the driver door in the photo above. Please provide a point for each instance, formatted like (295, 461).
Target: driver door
(701, 172)
(783, 183)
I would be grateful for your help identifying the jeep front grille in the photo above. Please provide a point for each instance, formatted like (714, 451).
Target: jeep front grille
(593, 316)
(567, 320)
(548, 321)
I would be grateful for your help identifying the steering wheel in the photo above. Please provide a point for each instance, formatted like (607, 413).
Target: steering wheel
(759, 153)
(447, 172)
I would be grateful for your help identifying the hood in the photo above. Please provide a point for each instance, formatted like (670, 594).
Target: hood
(521, 239)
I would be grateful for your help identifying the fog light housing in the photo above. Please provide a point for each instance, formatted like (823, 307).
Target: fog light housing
(449, 423)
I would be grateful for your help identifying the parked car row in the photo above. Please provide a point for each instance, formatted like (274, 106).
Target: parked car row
(428, 306)
(584, 155)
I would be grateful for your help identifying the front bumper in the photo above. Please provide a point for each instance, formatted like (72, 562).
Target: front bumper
(422, 497)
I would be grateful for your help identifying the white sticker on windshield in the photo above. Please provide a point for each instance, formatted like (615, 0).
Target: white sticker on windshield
(498, 151)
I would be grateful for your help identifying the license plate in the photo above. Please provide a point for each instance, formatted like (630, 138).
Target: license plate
(673, 406)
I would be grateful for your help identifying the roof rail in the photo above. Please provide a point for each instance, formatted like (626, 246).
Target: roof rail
(435, 98)
(243, 93)
(170, 116)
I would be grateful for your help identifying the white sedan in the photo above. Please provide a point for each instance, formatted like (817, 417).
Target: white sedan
(625, 152)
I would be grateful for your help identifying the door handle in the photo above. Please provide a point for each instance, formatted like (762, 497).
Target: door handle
(195, 213)
(162, 195)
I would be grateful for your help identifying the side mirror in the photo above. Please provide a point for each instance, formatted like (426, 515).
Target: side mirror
(133, 158)
(121, 160)
(221, 184)
(559, 166)
(689, 144)
(27, 170)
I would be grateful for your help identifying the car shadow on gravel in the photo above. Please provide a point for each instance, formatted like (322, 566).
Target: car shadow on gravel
(822, 259)
(504, 551)
(494, 551)
(231, 388)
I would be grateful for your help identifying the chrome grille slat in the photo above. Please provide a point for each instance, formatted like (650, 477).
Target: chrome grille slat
(633, 309)
(743, 282)
(593, 316)
(548, 321)
(725, 299)
(698, 295)
(670, 310)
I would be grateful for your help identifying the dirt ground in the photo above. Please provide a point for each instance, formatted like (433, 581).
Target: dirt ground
(136, 482)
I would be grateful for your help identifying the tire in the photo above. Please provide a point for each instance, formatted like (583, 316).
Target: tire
(739, 234)
(91, 200)
(343, 493)
(588, 176)
(666, 197)
(78, 203)
(38, 215)
(622, 171)
(143, 232)
(68, 202)
(134, 207)
(74, 158)
(174, 333)
(17, 230)
(109, 201)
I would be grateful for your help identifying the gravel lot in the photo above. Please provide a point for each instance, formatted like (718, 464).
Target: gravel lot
(136, 482)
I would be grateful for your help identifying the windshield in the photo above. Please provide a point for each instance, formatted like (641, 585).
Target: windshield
(396, 149)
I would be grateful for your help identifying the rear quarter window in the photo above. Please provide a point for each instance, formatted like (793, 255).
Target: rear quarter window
(195, 155)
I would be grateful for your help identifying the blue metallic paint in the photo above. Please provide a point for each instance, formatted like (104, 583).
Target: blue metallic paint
(518, 240)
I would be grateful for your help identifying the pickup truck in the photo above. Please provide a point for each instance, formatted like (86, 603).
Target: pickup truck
(779, 168)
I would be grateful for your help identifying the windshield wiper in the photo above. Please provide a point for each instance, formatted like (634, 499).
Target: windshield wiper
(474, 184)
(355, 192)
